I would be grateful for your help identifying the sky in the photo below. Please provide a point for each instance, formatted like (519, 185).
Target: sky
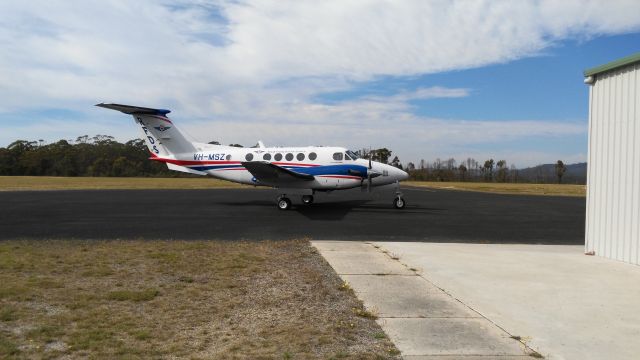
(426, 79)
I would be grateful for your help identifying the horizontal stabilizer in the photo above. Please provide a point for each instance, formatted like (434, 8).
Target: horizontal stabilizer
(134, 110)
(184, 169)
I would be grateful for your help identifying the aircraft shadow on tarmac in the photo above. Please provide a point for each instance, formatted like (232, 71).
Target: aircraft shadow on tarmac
(337, 210)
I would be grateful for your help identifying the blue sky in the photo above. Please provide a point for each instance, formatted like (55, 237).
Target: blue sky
(436, 79)
(545, 87)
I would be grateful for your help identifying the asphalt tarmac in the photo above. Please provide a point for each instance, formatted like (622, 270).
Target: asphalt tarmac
(430, 215)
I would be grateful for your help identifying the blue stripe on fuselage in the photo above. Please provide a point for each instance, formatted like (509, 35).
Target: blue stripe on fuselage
(359, 170)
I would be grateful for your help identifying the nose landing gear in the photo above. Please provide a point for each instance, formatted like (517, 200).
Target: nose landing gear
(398, 202)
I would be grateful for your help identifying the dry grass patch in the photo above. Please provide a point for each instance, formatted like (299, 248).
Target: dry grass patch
(18, 183)
(197, 299)
(506, 188)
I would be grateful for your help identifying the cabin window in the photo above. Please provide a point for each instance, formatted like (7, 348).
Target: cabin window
(312, 156)
(337, 156)
(352, 155)
(289, 157)
(266, 157)
(277, 157)
(249, 157)
(300, 156)
(347, 157)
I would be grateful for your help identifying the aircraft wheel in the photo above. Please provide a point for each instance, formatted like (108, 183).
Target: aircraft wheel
(307, 199)
(284, 203)
(399, 203)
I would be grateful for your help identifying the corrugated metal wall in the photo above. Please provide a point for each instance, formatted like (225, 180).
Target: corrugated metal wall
(613, 192)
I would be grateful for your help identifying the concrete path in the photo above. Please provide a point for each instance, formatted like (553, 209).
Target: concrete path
(422, 320)
(562, 303)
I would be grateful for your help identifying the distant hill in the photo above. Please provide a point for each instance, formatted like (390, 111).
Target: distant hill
(576, 174)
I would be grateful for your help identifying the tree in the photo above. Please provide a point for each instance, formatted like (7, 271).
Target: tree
(382, 155)
(560, 170)
(236, 145)
(396, 162)
(214, 142)
(487, 169)
(463, 172)
(514, 173)
(502, 170)
(450, 163)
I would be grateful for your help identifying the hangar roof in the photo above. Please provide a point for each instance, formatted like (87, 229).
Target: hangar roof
(628, 60)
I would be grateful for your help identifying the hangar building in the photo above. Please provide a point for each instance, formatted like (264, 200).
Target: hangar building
(613, 180)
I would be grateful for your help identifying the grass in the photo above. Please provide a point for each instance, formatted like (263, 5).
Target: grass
(506, 188)
(18, 183)
(179, 299)
(132, 295)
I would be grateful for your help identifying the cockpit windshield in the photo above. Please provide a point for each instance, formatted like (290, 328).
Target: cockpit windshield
(352, 155)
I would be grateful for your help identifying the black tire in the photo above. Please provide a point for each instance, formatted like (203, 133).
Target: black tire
(399, 203)
(307, 199)
(284, 203)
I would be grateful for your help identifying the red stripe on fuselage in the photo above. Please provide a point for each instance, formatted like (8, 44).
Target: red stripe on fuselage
(195, 162)
(341, 177)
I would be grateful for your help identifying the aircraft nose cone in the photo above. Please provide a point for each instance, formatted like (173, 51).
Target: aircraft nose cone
(398, 174)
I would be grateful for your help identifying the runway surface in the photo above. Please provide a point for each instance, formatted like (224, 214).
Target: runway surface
(430, 215)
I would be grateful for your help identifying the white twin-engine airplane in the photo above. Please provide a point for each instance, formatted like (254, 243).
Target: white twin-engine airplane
(290, 170)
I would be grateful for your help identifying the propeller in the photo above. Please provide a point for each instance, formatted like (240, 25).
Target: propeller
(370, 173)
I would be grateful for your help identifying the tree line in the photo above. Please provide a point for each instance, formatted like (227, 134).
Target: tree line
(100, 155)
(487, 171)
(467, 170)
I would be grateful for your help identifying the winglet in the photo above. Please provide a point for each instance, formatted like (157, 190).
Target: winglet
(132, 110)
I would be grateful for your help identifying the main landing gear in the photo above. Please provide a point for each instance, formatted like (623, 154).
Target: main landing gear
(284, 203)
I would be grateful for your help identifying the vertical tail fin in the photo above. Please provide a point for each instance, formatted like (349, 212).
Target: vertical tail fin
(162, 137)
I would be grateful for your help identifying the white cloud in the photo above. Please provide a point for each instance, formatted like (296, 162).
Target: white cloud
(256, 67)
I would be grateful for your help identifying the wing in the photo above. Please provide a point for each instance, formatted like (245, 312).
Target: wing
(272, 174)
